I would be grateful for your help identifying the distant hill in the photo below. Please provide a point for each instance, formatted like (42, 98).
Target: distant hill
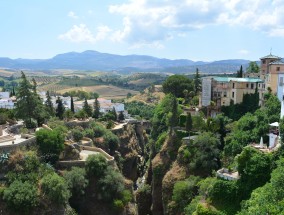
(93, 60)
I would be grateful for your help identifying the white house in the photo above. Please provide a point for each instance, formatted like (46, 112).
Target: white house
(7, 103)
(4, 95)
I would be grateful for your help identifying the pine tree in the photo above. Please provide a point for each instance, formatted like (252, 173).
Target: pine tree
(29, 106)
(72, 105)
(188, 123)
(197, 82)
(60, 108)
(48, 105)
(87, 108)
(174, 117)
(96, 113)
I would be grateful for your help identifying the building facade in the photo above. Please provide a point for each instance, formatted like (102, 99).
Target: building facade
(226, 90)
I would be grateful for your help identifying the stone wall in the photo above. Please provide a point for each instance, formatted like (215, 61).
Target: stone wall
(8, 148)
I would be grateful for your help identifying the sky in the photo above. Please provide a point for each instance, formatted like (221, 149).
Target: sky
(206, 30)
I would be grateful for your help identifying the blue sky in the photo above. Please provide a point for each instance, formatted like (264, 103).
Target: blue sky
(189, 29)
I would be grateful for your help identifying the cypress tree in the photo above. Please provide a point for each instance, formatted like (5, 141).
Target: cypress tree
(188, 123)
(197, 82)
(96, 113)
(72, 105)
(87, 108)
(60, 108)
(48, 105)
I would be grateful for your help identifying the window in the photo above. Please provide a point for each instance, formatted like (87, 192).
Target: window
(233, 94)
(277, 68)
(281, 81)
(233, 85)
(225, 94)
(264, 61)
(251, 86)
(247, 85)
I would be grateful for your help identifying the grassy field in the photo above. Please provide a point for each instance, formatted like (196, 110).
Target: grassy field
(105, 91)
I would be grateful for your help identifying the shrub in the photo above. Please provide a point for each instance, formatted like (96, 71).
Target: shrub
(55, 187)
(21, 196)
(118, 205)
(76, 180)
(51, 143)
(111, 140)
(98, 130)
(88, 133)
(96, 165)
(77, 135)
(111, 185)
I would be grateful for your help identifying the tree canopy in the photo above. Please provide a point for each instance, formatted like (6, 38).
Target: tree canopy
(176, 84)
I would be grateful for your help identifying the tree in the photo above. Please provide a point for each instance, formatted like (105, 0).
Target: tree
(267, 199)
(197, 82)
(253, 67)
(76, 180)
(240, 72)
(174, 117)
(68, 114)
(254, 168)
(111, 185)
(121, 116)
(114, 113)
(51, 143)
(96, 114)
(96, 165)
(21, 196)
(176, 84)
(203, 163)
(29, 107)
(60, 108)
(55, 187)
(87, 108)
(49, 105)
(72, 105)
(188, 123)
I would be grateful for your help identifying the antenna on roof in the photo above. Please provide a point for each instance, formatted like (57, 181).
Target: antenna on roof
(270, 50)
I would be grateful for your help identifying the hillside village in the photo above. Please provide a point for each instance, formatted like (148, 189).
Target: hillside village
(209, 143)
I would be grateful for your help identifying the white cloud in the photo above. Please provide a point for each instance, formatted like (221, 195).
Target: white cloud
(81, 33)
(243, 52)
(72, 15)
(148, 21)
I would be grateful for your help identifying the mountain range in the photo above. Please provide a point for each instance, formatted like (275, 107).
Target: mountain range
(93, 60)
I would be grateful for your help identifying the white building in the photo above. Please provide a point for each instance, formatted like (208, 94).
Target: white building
(7, 103)
(4, 95)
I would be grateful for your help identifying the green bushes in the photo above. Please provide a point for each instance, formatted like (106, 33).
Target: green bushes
(96, 165)
(21, 196)
(50, 143)
(76, 180)
(77, 134)
(55, 188)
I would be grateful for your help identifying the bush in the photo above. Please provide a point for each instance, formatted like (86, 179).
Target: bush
(184, 192)
(88, 133)
(96, 165)
(98, 130)
(111, 185)
(112, 141)
(76, 180)
(51, 143)
(118, 205)
(77, 135)
(21, 196)
(55, 187)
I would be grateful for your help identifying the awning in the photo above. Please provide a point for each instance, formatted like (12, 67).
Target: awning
(276, 124)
